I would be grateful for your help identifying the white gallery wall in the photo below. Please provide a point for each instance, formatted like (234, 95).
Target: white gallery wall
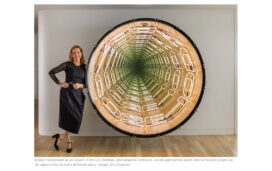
(212, 28)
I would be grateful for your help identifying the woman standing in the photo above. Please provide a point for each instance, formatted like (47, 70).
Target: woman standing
(71, 95)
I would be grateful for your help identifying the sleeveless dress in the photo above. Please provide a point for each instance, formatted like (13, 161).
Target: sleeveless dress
(71, 100)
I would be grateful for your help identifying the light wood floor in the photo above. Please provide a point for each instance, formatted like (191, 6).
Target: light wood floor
(125, 146)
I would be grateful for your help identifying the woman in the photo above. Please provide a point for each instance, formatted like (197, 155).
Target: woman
(71, 95)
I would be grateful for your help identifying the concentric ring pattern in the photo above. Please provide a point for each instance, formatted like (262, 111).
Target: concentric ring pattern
(145, 77)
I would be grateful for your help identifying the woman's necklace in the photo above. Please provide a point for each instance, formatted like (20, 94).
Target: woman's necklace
(77, 63)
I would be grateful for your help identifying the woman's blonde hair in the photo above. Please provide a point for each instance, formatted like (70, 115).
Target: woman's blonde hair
(82, 60)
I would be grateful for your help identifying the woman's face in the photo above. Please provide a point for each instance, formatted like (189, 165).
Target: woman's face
(76, 54)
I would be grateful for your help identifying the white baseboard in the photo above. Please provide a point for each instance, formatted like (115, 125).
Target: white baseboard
(175, 133)
(203, 132)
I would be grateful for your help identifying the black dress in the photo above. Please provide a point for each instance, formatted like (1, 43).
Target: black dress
(71, 100)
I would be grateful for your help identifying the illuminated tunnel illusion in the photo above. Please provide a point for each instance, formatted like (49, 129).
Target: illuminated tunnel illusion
(145, 77)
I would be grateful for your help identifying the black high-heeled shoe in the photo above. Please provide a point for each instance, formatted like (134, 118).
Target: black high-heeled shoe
(56, 141)
(69, 150)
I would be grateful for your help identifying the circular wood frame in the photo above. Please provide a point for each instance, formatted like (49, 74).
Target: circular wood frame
(175, 102)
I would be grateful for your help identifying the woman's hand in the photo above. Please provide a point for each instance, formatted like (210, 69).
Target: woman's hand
(64, 85)
(77, 85)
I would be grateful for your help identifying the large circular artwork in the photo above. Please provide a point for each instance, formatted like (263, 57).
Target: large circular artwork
(145, 77)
